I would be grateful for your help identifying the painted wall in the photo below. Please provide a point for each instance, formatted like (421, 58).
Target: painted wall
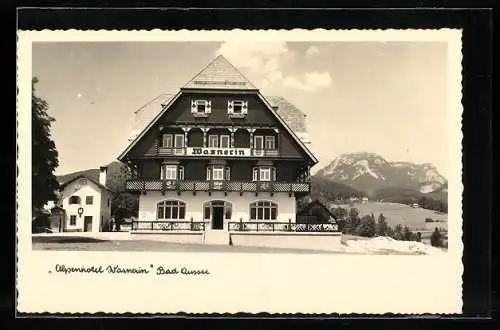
(93, 210)
(106, 199)
(194, 204)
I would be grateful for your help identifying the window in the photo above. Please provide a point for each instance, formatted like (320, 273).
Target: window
(270, 142)
(89, 200)
(171, 210)
(264, 173)
(237, 106)
(212, 141)
(179, 141)
(74, 200)
(72, 220)
(224, 141)
(167, 141)
(258, 142)
(263, 210)
(200, 107)
(169, 172)
(181, 172)
(218, 173)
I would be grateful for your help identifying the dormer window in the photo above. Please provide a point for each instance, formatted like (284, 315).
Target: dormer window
(237, 108)
(201, 108)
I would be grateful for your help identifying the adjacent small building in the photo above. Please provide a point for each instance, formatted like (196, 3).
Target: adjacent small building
(84, 204)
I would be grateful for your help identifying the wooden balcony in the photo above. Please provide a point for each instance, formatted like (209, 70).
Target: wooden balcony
(138, 185)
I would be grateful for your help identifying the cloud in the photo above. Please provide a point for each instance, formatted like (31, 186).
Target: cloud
(311, 51)
(266, 63)
(311, 81)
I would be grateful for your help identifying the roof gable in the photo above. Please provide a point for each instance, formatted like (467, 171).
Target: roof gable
(220, 74)
(82, 176)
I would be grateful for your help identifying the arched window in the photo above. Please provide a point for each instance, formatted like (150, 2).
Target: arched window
(74, 200)
(263, 210)
(171, 210)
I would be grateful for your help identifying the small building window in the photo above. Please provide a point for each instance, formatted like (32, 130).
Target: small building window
(74, 200)
(263, 210)
(72, 220)
(171, 210)
(224, 141)
(212, 141)
(89, 200)
(270, 142)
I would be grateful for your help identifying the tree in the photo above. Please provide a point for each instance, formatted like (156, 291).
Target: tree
(418, 237)
(437, 238)
(366, 226)
(398, 233)
(44, 153)
(124, 204)
(407, 234)
(382, 226)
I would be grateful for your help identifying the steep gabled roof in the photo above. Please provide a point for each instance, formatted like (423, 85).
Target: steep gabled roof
(220, 74)
(211, 77)
(65, 184)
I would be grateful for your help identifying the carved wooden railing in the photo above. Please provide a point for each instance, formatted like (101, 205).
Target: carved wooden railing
(271, 226)
(163, 225)
(241, 186)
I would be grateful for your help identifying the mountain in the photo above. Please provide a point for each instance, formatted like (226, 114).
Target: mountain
(369, 173)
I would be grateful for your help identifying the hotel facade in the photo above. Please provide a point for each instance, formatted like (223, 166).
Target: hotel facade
(218, 158)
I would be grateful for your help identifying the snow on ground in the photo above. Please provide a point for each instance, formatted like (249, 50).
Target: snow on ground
(387, 244)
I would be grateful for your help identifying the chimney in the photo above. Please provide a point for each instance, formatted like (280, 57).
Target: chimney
(102, 175)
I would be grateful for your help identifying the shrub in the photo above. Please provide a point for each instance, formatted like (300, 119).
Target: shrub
(436, 238)
(428, 220)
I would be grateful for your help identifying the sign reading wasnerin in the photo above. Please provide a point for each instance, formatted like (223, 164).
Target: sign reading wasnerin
(237, 152)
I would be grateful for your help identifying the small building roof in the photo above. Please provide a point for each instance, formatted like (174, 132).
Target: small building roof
(66, 183)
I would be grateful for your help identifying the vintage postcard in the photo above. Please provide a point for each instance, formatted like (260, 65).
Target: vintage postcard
(299, 171)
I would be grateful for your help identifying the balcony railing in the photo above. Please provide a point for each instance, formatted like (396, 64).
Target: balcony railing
(235, 186)
(240, 226)
(161, 225)
(270, 226)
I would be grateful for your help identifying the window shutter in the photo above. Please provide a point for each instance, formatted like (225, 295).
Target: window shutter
(194, 108)
(162, 172)
(208, 173)
(244, 107)
(181, 173)
(208, 107)
(229, 107)
(255, 174)
(273, 173)
(228, 173)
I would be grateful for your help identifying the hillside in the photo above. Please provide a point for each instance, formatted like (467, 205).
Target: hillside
(114, 177)
(325, 189)
(369, 173)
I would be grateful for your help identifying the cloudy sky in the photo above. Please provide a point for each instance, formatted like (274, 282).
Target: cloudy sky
(387, 98)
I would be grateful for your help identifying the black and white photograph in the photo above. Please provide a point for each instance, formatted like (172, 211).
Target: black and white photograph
(208, 159)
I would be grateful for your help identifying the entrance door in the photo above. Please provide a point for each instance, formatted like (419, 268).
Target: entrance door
(218, 217)
(87, 223)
